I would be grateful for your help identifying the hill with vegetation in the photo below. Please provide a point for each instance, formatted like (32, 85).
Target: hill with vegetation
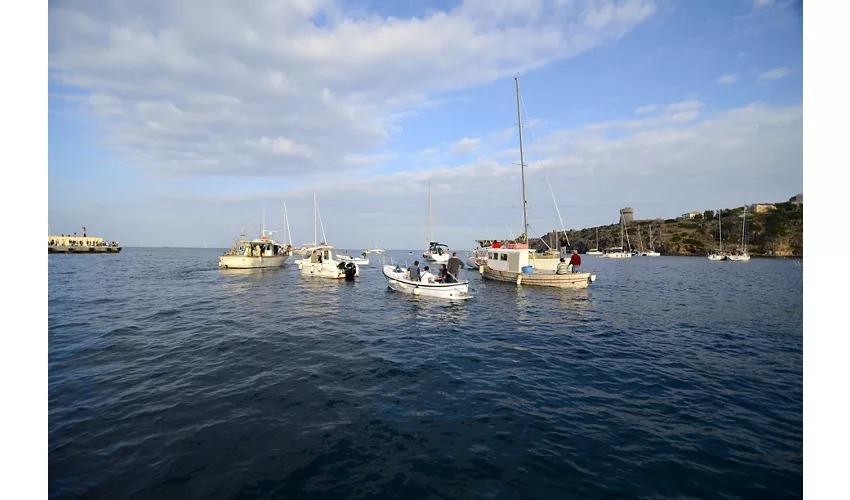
(775, 233)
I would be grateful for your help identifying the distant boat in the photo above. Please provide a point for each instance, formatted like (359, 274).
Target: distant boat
(437, 252)
(651, 252)
(718, 254)
(741, 254)
(595, 250)
(254, 254)
(618, 252)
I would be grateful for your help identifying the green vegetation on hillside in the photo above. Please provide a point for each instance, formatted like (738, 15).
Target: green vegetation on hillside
(779, 232)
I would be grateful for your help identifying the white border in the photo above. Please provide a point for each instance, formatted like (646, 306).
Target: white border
(23, 127)
(825, 160)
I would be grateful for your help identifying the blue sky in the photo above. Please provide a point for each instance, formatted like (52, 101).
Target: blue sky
(177, 123)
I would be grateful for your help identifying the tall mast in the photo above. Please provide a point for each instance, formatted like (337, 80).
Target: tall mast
(264, 220)
(315, 223)
(521, 163)
(430, 226)
(743, 230)
(720, 229)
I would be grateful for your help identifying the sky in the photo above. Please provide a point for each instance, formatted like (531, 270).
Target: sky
(180, 123)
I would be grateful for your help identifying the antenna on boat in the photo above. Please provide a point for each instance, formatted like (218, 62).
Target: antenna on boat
(522, 162)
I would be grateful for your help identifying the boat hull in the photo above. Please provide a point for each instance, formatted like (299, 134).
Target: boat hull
(397, 281)
(432, 257)
(738, 258)
(250, 262)
(82, 249)
(594, 252)
(617, 255)
(327, 270)
(358, 261)
(569, 280)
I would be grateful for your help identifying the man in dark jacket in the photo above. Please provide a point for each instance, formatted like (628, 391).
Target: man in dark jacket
(454, 265)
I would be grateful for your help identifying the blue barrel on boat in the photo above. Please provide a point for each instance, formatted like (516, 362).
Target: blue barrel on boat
(527, 269)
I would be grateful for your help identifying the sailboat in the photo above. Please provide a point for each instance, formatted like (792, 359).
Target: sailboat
(651, 252)
(257, 253)
(718, 254)
(437, 252)
(512, 262)
(741, 254)
(595, 250)
(320, 261)
(619, 252)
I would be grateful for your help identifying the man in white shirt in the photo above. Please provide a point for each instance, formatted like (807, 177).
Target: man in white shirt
(427, 277)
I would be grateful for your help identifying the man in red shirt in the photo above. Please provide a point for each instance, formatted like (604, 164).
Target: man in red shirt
(575, 261)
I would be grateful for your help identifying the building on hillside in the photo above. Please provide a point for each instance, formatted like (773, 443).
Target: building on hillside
(762, 208)
(797, 199)
(690, 215)
(627, 215)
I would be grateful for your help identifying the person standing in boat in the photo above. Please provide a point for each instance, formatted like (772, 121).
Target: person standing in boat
(454, 267)
(575, 261)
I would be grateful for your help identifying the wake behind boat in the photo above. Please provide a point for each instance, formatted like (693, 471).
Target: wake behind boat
(398, 281)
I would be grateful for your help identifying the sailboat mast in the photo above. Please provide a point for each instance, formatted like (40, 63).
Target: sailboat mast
(720, 229)
(315, 223)
(521, 163)
(430, 225)
(743, 230)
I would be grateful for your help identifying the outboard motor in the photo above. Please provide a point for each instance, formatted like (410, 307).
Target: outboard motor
(350, 271)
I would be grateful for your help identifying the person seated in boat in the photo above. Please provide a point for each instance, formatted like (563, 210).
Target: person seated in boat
(575, 261)
(427, 277)
(413, 271)
(314, 257)
(443, 277)
(563, 267)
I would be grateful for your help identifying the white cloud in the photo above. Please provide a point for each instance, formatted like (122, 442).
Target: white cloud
(466, 145)
(191, 86)
(728, 79)
(685, 164)
(646, 109)
(776, 73)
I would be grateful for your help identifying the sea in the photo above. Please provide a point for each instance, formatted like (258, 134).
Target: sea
(668, 377)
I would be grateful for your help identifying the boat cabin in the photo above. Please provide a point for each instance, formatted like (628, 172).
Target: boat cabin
(263, 247)
(321, 253)
(438, 248)
(511, 258)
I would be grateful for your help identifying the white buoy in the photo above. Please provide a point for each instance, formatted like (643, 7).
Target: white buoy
(416, 291)
(519, 279)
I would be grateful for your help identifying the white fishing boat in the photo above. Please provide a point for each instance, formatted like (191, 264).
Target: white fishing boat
(375, 250)
(512, 262)
(741, 254)
(398, 281)
(319, 261)
(718, 254)
(254, 254)
(437, 252)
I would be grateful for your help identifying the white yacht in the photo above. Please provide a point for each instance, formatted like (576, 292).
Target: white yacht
(252, 254)
(741, 254)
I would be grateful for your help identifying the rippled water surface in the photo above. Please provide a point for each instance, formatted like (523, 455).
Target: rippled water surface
(669, 377)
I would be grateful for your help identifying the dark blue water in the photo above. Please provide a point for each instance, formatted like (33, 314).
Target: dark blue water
(670, 377)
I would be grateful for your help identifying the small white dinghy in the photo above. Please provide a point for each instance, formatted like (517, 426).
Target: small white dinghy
(397, 280)
(360, 261)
